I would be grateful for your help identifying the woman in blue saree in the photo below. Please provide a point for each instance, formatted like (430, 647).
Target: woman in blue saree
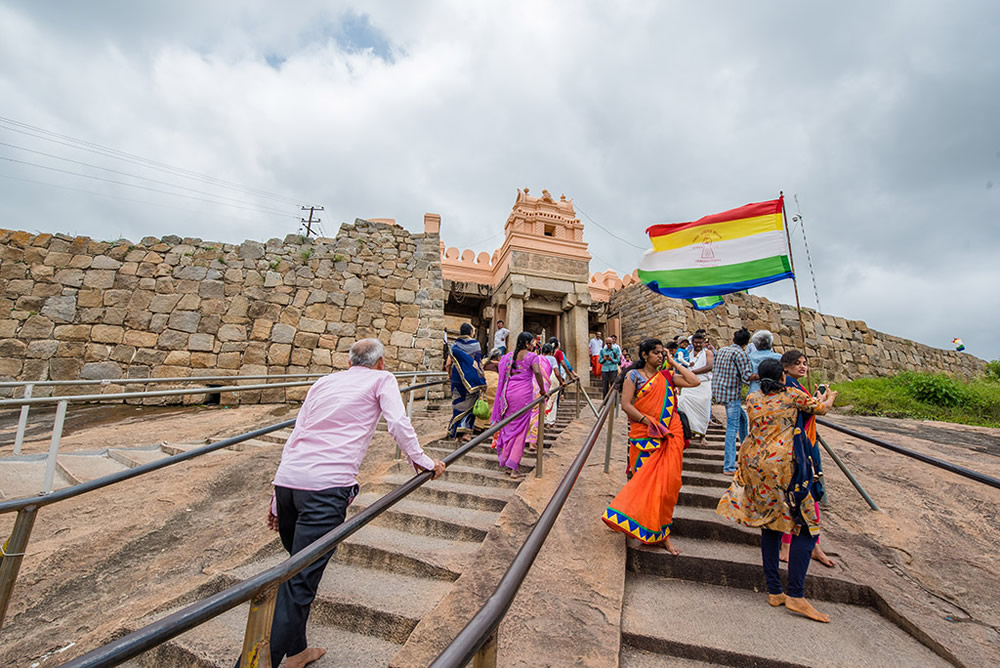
(464, 363)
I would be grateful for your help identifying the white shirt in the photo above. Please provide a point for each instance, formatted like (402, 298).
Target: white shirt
(500, 338)
(595, 346)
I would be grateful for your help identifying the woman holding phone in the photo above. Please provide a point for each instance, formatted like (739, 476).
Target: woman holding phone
(644, 508)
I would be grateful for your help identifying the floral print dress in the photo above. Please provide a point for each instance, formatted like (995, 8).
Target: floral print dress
(760, 495)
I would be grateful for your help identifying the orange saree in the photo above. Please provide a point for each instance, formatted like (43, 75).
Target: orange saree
(644, 508)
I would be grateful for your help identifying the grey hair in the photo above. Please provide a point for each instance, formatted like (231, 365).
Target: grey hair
(366, 352)
(762, 339)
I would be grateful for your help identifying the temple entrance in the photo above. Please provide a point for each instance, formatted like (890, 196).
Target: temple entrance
(541, 324)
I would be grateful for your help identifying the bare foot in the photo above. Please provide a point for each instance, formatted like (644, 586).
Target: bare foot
(669, 547)
(776, 600)
(305, 657)
(805, 608)
(783, 552)
(516, 475)
(820, 556)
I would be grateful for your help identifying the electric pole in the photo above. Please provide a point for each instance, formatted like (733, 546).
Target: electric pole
(309, 223)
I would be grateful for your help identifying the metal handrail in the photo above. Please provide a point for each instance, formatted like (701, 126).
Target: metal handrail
(927, 459)
(75, 398)
(262, 588)
(13, 550)
(481, 629)
(186, 379)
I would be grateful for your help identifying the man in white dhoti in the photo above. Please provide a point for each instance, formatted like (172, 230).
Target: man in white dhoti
(696, 402)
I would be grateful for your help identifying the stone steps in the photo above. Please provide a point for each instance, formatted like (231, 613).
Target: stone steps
(384, 578)
(737, 627)
(708, 606)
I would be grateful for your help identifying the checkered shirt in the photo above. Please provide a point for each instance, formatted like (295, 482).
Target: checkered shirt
(730, 371)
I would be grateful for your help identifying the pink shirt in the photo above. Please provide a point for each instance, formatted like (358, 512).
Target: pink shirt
(335, 426)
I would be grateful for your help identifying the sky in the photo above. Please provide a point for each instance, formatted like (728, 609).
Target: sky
(219, 120)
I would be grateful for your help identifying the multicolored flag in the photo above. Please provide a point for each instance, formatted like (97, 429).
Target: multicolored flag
(705, 303)
(719, 254)
(959, 346)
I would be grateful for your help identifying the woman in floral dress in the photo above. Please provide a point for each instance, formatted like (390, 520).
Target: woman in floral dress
(776, 484)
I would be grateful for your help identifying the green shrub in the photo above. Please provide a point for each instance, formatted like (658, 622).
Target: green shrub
(924, 396)
(992, 371)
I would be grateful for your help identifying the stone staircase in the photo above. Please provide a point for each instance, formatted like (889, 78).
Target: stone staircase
(386, 577)
(708, 606)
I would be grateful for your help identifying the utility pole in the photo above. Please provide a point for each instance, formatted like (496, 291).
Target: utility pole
(309, 223)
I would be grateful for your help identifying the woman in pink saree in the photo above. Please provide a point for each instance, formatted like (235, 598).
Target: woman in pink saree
(520, 370)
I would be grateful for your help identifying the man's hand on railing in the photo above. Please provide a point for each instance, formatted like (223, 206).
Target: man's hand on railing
(439, 467)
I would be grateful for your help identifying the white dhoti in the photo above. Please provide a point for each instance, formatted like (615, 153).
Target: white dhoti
(696, 404)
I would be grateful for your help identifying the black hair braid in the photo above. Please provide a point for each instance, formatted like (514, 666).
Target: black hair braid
(522, 344)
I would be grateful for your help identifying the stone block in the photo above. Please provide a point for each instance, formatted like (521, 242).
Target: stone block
(101, 371)
(96, 352)
(184, 321)
(190, 273)
(189, 302)
(272, 279)
(279, 353)
(327, 341)
(71, 277)
(164, 303)
(11, 368)
(401, 339)
(201, 342)
(36, 327)
(310, 325)
(282, 333)
(105, 262)
(255, 353)
(178, 358)
(228, 360)
(72, 332)
(99, 278)
(43, 349)
(107, 334)
(321, 357)
(210, 324)
(212, 289)
(340, 360)
(409, 325)
(232, 333)
(355, 299)
(204, 360)
(123, 354)
(306, 340)
(170, 371)
(301, 356)
(64, 368)
(60, 309)
(8, 328)
(171, 339)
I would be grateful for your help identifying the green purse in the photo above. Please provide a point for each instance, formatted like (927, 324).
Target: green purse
(481, 409)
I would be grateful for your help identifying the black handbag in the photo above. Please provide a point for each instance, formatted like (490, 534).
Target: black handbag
(685, 425)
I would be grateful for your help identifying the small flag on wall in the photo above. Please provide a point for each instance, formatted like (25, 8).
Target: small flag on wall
(959, 346)
(719, 254)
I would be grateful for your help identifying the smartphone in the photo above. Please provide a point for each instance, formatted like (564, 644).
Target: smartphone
(821, 389)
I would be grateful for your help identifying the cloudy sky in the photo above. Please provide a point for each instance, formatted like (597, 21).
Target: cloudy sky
(883, 118)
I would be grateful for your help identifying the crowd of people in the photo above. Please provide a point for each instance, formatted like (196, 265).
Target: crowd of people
(770, 450)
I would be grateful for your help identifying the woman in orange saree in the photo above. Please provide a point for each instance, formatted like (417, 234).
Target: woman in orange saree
(644, 508)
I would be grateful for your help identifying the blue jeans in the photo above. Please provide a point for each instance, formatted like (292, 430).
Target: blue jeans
(736, 431)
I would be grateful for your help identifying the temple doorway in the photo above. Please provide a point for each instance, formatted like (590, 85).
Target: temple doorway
(544, 325)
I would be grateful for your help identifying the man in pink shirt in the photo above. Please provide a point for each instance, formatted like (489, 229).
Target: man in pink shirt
(317, 478)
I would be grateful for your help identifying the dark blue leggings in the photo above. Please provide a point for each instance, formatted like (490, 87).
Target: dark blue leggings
(798, 560)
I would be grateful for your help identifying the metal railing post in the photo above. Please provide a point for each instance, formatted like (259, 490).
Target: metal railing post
(13, 552)
(50, 463)
(22, 422)
(610, 428)
(579, 388)
(257, 639)
(540, 443)
(486, 657)
(850, 476)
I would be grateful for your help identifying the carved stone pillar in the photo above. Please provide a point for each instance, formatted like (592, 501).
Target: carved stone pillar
(515, 319)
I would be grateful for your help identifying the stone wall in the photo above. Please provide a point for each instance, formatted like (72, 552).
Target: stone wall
(840, 349)
(73, 307)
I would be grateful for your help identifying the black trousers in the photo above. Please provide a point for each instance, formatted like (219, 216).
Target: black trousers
(609, 378)
(303, 517)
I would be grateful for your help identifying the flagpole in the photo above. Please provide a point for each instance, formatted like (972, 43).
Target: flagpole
(791, 261)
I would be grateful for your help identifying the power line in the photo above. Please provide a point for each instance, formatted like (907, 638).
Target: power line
(136, 176)
(82, 144)
(100, 194)
(133, 185)
(607, 230)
